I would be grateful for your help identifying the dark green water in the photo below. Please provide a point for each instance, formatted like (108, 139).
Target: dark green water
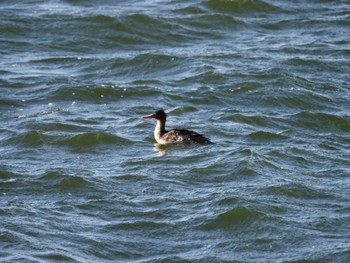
(80, 177)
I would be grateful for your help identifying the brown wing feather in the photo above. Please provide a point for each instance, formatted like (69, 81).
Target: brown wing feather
(185, 136)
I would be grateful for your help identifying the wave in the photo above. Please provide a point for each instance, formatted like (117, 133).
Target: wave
(266, 136)
(148, 65)
(297, 190)
(27, 139)
(240, 6)
(322, 121)
(100, 93)
(254, 120)
(299, 99)
(135, 225)
(54, 256)
(58, 179)
(36, 138)
(72, 182)
(5, 174)
(9, 103)
(204, 24)
(135, 29)
(233, 217)
(93, 139)
(58, 60)
(256, 164)
(124, 30)
(322, 65)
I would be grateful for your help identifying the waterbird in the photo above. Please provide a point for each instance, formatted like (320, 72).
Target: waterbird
(173, 136)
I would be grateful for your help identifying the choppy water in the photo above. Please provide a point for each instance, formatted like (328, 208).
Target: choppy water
(80, 177)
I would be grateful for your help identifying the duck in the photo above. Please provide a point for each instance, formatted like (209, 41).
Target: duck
(174, 136)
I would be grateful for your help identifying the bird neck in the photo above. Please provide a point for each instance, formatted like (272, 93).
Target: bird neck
(160, 129)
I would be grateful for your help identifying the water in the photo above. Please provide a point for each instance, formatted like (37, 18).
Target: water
(80, 177)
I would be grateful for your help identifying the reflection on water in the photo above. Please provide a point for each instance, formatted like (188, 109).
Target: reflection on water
(161, 149)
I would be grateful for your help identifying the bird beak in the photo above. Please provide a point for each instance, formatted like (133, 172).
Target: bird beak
(149, 116)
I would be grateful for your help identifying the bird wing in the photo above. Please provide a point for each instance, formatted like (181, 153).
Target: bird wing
(186, 136)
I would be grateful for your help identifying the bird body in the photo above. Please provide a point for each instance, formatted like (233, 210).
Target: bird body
(163, 136)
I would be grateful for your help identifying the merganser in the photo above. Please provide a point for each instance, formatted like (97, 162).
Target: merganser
(176, 135)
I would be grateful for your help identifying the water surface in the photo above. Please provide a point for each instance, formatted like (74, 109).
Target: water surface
(80, 177)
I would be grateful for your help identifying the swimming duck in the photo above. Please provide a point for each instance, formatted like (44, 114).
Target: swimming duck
(163, 136)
